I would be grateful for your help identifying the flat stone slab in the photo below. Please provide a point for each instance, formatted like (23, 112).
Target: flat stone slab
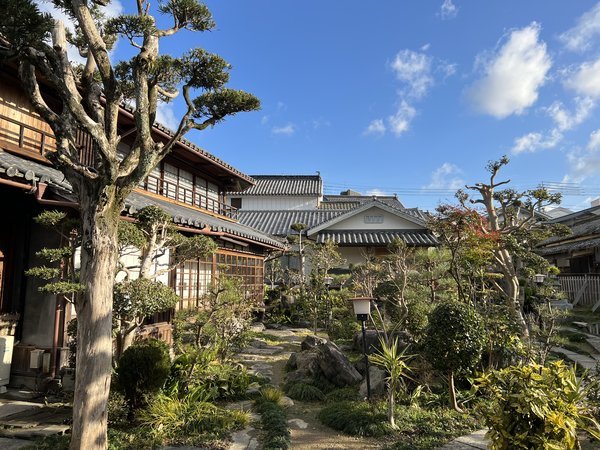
(13, 407)
(581, 360)
(272, 350)
(242, 440)
(471, 441)
(298, 423)
(13, 444)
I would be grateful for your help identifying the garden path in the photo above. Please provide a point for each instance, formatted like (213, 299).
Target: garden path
(307, 433)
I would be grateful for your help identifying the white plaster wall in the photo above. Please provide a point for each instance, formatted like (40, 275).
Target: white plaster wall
(131, 259)
(270, 203)
(390, 222)
(352, 255)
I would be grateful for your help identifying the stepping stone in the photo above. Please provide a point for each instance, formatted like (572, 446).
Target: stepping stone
(13, 444)
(274, 350)
(298, 423)
(286, 402)
(243, 441)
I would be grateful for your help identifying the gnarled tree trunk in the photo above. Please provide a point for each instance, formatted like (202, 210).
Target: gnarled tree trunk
(94, 313)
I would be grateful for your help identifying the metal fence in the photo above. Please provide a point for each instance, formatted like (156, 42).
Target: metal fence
(582, 289)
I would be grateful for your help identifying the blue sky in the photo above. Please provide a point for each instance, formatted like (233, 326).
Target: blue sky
(410, 97)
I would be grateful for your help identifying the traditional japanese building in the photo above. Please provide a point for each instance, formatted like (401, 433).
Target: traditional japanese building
(359, 224)
(190, 185)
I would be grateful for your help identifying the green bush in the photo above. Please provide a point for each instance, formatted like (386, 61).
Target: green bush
(356, 418)
(190, 419)
(143, 369)
(536, 407)
(304, 392)
(421, 429)
(342, 394)
(343, 324)
(454, 341)
(276, 434)
(196, 369)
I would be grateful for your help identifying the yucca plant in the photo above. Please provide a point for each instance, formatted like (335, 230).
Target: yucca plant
(394, 362)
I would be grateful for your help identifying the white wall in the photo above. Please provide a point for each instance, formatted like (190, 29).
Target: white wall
(390, 222)
(131, 259)
(270, 203)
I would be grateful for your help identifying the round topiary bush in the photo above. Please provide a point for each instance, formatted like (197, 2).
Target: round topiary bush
(143, 369)
(454, 340)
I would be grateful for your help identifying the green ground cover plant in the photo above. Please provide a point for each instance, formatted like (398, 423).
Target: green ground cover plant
(276, 434)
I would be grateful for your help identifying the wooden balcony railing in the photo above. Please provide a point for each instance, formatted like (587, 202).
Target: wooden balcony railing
(16, 135)
(189, 196)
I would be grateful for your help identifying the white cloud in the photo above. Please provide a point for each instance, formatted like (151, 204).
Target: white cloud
(415, 72)
(581, 36)
(565, 120)
(320, 123)
(513, 76)
(286, 130)
(585, 163)
(376, 192)
(166, 116)
(264, 120)
(448, 10)
(413, 69)
(594, 142)
(376, 127)
(586, 79)
(532, 142)
(447, 176)
(400, 122)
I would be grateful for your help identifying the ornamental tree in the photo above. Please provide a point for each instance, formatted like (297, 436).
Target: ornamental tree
(149, 238)
(454, 341)
(514, 222)
(89, 100)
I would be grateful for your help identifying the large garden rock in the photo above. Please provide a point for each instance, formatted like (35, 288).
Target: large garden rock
(302, 366)
(335, 366)
(377, 382)
(311, 342)
(306, 361)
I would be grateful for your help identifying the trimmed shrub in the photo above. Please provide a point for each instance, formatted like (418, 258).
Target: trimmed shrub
(536, 407)
(142, 370)
(304, 392)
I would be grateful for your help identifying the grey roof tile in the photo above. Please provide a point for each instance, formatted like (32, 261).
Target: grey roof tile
(378, 237)
(278, 222)
(288, 185)
(351, 201)
(197, 219)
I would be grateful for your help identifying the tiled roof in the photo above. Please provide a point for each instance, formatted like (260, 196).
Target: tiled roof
(351, 201)
(569, 247)
(278, 222)
(378, 237)
(589, 228)
(25, 170)
(296, 185)
(197, 219)
(17, 167)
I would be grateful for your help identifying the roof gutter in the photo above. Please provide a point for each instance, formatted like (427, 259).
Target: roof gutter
(39, 193)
